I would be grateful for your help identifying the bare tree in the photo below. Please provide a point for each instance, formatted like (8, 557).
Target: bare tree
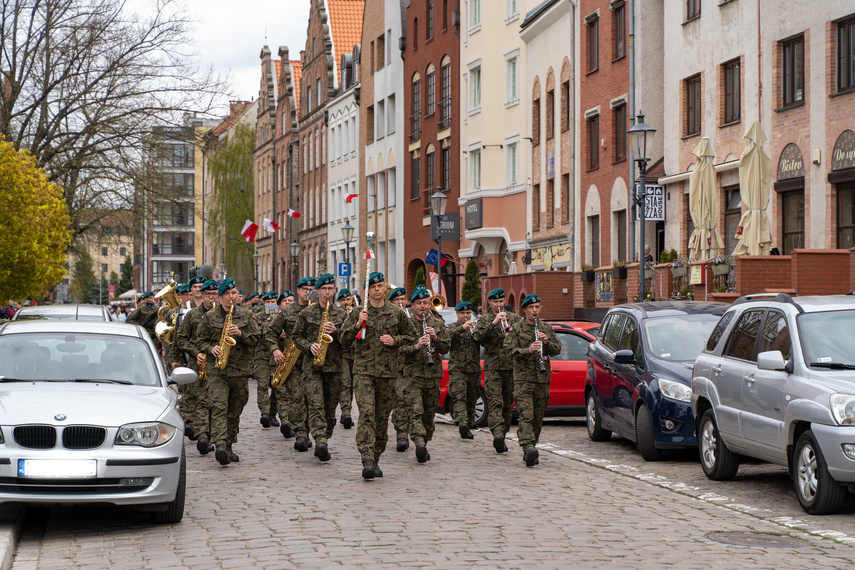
(85, 82)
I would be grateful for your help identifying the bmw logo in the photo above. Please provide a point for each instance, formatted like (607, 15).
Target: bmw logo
(59, 417)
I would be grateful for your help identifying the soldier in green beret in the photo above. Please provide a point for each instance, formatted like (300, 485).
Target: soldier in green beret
(145, 315)
(285, 298)
(490, 332)
(401, 409)
(531, 344)
(375, 367)
(423, 370)
(261, 371)
(345, 301)
(227, 388)
(464, 369)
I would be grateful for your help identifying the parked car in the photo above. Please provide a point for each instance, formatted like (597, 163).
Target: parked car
(566, 390)
(66, 312)
(776, 381)
(639, 373)
(87, 416)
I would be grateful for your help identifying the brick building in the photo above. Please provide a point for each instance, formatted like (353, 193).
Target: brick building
(265, 132)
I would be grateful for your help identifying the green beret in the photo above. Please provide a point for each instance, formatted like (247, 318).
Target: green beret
(253, 294)
(343, 293)
(397, 292)
(269, 296)
(182, 289)
(463, 306)
(420, 293)
(146, 295)
(198, 279)
(497, 293)
(226, 285)
(529, 299)
(210, 285)
(325, 279)
(375, 278)
(306, 282)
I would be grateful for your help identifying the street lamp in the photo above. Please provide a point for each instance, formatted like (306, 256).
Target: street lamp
(295, 251)
(638, 135)
(438, 203)
(255, 259)
(223, 270)
(347, 233)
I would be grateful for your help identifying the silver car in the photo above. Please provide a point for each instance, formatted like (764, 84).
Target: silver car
(65, 312)
(87, 416)
(776, 382)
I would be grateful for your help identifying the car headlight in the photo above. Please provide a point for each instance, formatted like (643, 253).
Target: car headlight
(151, 434)
(675, 390)
(843, 408)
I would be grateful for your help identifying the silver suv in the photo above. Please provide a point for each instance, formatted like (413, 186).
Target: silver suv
(776, 382)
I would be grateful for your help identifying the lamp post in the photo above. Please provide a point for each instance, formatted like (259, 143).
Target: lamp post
(295, 251)
(438, 203)
(255, 258)
(223, 270)
(638, 135)
(347, 233)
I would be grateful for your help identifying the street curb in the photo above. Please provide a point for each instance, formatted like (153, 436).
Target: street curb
(11, 520)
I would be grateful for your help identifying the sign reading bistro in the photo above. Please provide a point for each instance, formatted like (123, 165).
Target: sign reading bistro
(791, 164)
(843, 155)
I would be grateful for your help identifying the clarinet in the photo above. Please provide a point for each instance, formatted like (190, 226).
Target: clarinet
(430, 361)
(537, 330)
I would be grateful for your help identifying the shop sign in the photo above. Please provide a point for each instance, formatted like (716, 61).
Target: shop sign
(474, 214)
(551, 254)
(791, 164)
(843, 155)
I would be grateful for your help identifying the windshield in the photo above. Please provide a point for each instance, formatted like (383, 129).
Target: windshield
(62, 357)
(827, 337)
(678, 338)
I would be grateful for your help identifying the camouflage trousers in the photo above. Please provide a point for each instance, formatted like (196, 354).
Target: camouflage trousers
(323, 390)
(228, 396)
(182, 403)
(198, 411)
(423, 398)
(291, 402)
(374, 398)
(531, 399)
(401, 409)
(464, 389)
(265, 398)
(499, 388)
(346, 397)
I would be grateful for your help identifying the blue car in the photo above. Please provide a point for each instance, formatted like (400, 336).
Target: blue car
(639, 381)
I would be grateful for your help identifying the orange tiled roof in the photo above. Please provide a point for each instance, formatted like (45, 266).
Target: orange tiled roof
(345, 18)
(296, 77)
(236, 111)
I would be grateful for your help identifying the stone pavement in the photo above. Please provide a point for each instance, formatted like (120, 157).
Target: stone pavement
(467, 507)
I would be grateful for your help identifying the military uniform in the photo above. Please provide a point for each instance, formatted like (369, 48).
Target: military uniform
(290, 397)
(464, 373)
(146, 317)
(401, 408)
(531, 386)
(196, 394)
(498, 371)
(261, 371)
(346, 398)
(227, 389)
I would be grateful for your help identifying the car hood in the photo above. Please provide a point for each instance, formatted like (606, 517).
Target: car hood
(109, 405)
(681, 371)
(836, 381)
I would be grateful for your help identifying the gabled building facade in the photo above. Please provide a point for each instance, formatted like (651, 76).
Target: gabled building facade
(265, 162)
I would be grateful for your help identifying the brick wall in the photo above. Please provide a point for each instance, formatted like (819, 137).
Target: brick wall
(759, 273)
(852, 269)
(821, 272)
(549, 286)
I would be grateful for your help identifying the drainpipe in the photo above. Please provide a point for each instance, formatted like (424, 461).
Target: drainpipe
(275, 277)
(759, 68)
(632, 110)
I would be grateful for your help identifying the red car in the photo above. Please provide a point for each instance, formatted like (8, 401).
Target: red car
(569, 368)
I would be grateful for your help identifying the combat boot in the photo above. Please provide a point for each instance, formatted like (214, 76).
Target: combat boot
(422, 452)
(368, 469)
(301, 444)
(222, 454)
(286, 431)
(377, 472)
(273, 421)
(203, 446)
(233, 457)
(463, 428)
(531, 457)
(190, 432)
(346, 421)
(265, 420)
(321, 452)
(499, 444)
(403, 444)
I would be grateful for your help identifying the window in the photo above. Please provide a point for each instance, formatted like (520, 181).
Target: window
(512, 164)
(535, 207)
(629, 338)
(565, 198)
(718, 331)
(474, 13)
(744, 336)
(550, 114)
(732, 215)
(415, 34)
(445, 97)
(446, 168)
(372, 193)
(511, 91)
(593, 142)
(565, 105)
(430, 94)
(390, 115)
(429, 30)
(619, 117)
(535, 122)
(380, 130)
(369, 124)
(391, 185)
(430, 165)
(573, 347)
(612, 330)
(123, 251)
(416, 117)
(388, 46)
(415, 167)
(103, 251)
(475, 163)
(845, 216)
(381, 190)
(318, 91)
(776, 335)
(381, 51)
(444, 15)
(475, 83)
(793, 72)
(794, 220)
(693, 105)
(731, 92)
(846, 55)
(511, 9)
(620, 231)
(593, 44)
(550, 203)
(103, 268)
(693, 9)
(594, 226)
(619, 17)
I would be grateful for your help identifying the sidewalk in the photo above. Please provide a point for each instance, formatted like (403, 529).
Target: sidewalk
(11, 518)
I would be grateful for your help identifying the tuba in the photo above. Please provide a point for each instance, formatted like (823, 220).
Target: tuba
(165, 327)
(323, 340)
(437, 302)
(226, 342)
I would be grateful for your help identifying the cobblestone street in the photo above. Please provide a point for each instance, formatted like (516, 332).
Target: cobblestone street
(466, 507)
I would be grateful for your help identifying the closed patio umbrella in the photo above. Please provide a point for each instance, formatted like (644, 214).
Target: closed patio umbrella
(755, 176)
(703, 204)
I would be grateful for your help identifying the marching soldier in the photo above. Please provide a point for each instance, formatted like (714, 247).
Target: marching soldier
(375, 362)
(196, 395)
(401, 409)
(531, 347)
(145, 315)
(345, 300)
(227, 387)
(490, 332)
(261, 369)
(290, 398)
(423, 370)
(464, 369)
(321, 383)
(285, 298)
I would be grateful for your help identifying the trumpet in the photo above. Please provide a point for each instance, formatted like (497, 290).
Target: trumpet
(506, 328)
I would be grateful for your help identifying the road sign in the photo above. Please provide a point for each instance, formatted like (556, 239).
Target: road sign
(344, 270)
(654, 204)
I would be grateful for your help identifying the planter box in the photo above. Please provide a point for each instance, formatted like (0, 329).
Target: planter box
(679, 271)
(619, 273)
(648, 273)
(721, 269)
(587, 276)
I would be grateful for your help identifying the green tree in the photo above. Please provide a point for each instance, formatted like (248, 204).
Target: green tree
(114, 278)
(84, 281)
(420, 277)
(34, 222)
(472, 284)
(127, 280)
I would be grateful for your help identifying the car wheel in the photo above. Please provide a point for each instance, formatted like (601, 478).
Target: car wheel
(175, 510)
(481, 411)
(818, 492)
(718, 462)
(644, 438)
(595, 428)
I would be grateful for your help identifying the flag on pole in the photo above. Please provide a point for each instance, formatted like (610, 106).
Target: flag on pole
(270, 225)
(350, 198)
(249, 230)
(370, 254)
(293, 213)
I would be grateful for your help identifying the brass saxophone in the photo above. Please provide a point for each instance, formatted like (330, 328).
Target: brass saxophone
(282, 371)
(323, 340)
(226, 342)
(203, 369)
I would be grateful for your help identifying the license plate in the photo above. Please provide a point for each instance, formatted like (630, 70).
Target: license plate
(57, 468)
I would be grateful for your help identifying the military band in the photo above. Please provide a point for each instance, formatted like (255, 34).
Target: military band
(464, 369)
(400, 411)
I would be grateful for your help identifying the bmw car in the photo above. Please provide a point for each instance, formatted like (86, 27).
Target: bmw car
(87, 415)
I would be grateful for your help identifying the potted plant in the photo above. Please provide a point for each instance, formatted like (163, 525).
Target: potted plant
(618, 269)
(587, 274)
(648, 270)
(678, 269)
(720, 266)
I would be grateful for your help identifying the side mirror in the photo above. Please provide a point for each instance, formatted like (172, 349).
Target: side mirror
(771, 360)
(182, 375)
(624, 357)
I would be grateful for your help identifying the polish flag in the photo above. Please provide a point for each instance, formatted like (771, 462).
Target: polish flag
(249, 230)
(293, 213)
(270, 225)
(370, 255)
(350, 198)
